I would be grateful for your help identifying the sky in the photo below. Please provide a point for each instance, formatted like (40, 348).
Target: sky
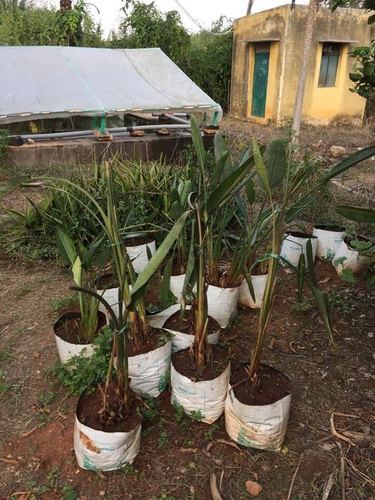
(204, 11)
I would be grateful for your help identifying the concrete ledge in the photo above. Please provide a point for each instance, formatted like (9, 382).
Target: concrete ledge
(87, 151)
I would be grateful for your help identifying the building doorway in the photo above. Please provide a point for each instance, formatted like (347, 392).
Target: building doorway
(260, 79)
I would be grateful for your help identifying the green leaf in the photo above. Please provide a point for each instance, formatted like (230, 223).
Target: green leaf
(358, 214)
(250, 192)
(260, 167)
(65, 246)
(164, 292)
(323, 308)
(230, 185)
(198, 143)
(276, 161)
(349, 162)
(77, 271)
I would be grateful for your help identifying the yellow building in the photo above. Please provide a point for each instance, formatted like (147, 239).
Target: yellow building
(268, 48)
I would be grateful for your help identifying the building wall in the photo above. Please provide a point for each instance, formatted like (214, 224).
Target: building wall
(321, 104)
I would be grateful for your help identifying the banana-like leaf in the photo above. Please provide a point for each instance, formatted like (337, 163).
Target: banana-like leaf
(357, 214)
(99, 297)
(220, 146)
(276, 161)
(164, 292)
(66, 247)
(156, 261)
(198, 143)
(349, 162)
(230, 185)
(310, 262)
(323, 307)
(250, 192)
(77, 271)
(261, 168)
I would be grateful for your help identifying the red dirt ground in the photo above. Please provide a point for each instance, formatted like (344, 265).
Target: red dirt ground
(178, 455)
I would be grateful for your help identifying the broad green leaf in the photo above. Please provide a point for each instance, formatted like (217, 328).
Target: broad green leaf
(198, 143)
(65, 246)
(276, 161)
(250, 192)
(323, 308)
(230, 185)
(358, 214)
(260, 167)
(301, 271)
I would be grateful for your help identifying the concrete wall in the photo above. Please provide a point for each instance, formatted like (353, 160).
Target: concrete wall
(87, 151)
(321, 105)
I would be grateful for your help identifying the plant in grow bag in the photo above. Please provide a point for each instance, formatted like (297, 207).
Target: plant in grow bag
(258, 401)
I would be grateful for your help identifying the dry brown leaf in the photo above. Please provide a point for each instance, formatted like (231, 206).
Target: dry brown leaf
(214, 487)
(253, 488)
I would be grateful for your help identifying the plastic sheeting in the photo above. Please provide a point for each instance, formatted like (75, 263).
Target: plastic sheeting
(52, 82)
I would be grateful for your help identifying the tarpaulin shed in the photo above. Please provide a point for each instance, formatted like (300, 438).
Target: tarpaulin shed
(58, 82)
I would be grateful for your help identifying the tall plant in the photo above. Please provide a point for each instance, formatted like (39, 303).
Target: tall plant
(284, 187)
(214, 190)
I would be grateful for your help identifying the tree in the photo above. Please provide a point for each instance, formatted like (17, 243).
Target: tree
(300, 93)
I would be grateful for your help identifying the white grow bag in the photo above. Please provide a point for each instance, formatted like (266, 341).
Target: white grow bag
(179, 340)
(353, 261)
(261, 427)
(328, 242)
(149, 373)
(293, 246)
(206, 397)
(67, 350)
(176, 286)
(138, 255)
(111, 296)
(259, 285)
(105, 451)
(222, 304)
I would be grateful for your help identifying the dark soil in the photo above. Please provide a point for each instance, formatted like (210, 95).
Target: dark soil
(135, 241)
(327, 227)
(184, 362)
(298, 234)
(185, 324)
(91, 403)
(68, 327)
(106, 281)
(153, 341)
(273, 386)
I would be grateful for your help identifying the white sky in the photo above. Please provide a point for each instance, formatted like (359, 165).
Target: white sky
(204, 11)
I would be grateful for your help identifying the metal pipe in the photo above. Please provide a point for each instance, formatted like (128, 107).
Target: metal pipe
(89, 133)
(178, 119)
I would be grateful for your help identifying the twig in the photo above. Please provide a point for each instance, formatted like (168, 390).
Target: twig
(337, 434)
(328, 486)
(360, 474)
(214, 488)
(27, 434)
(294, 479)
(342, 471)
(228, 443)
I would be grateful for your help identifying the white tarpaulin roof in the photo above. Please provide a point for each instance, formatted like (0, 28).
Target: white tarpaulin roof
(51, 82)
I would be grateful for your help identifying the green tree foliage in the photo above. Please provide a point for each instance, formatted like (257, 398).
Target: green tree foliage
(210, 61)
(145, 26)
(25, 23)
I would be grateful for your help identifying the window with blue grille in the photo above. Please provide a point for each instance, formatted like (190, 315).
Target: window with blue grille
(328, 66)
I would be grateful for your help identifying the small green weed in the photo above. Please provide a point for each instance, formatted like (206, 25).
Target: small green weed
(163, 439)
(150, 408)
(209, 434)
(129, 470)
(81, 372)
(64, 303)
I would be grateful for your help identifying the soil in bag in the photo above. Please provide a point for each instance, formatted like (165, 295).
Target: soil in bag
(330, 227)
(136, 241)
(273, 386)
(68, 327)
(298, 234)
(185, 324)
(155, 339)
(184, 362)
(91, 403)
